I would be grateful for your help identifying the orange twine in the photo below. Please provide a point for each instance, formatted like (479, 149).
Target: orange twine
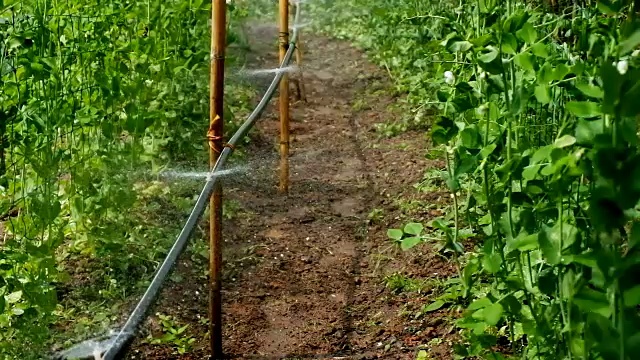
(213, 139)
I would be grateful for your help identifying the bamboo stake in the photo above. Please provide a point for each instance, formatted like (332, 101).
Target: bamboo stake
(284, 99)
(299, 79)
(215, 137)
(302, 92)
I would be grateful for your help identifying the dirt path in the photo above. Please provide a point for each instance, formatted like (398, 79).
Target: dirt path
(304, 272)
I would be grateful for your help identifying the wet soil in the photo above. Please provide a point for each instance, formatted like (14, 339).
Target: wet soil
(305, 271)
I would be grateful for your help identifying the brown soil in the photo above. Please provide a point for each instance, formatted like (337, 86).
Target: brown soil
(304, 272)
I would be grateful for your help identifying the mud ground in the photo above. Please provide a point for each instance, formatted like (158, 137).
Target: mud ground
(305, 273)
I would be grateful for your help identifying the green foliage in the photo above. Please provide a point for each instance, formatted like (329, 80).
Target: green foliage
(409, 237)
(375, 215)
(173, 334)
(95, 98)
(539, 114)
(399, 283)
(422, 355)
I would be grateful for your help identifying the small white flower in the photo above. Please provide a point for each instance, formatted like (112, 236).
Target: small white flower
(229, 1)
(573, 58)
(148, 82)
(635, 53)
(449, 78)
(622, 66)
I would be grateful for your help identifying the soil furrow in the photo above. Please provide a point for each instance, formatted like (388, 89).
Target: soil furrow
(304, 270)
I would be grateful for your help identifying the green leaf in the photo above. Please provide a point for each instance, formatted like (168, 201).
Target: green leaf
(528, 33)
(560, 71)
(564, 141)
(492, 263)
(481, 303)
(468, 272)
(543, 94)
(630, 43)
(534, 188)
(590, 90)
(14, 43)
(589, 300)
(530, 172)
(522, 242)
(587, 130)
(460, 46)
(525, 61)
(14, 297)
(540, 50)
(410, 242)
(470, 137)
(434, 306)
(37, 67)
(395, 234)
(632, 296)
(413, 228)
(553, 240)
(546, 73)
(422, 355)
(607, 7)
(487, 150)
(550, 250)
(495, 68)
(492, 314)
(566, 236)
(443, 96)
(509, 43)
(584, 109)
(444, 129)
(489, 56)
(542, 154)
(583, 259)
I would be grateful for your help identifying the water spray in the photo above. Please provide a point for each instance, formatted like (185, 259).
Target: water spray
(115, 349)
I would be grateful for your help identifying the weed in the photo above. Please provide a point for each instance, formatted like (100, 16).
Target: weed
(411, 206)
(172, 334)
(432, 181)
(231, 209)
(399, 283)
(375, 216)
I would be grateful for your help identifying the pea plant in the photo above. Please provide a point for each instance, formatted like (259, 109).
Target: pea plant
(91, 95)
(537, 108)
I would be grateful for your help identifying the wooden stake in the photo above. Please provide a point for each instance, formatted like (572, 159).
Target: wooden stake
(215, 137)
(302, 92)
(284, 99)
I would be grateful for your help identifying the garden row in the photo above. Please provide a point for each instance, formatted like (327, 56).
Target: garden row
(96, 97)
(536, 106)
